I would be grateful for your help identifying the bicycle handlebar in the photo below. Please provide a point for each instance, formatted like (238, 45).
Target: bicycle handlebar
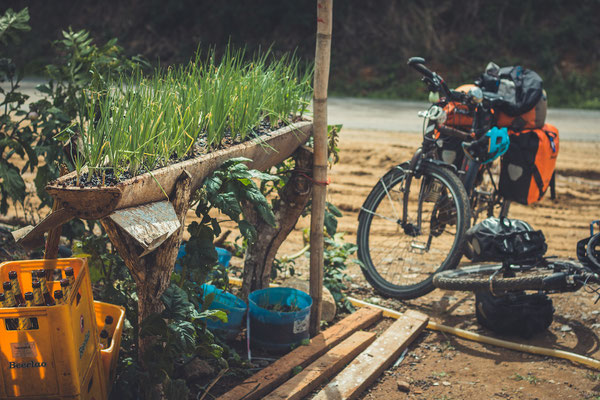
(433, 79)
(418, 63)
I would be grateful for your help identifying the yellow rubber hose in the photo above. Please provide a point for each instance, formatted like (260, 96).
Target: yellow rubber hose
(476, 337)
(590, 362)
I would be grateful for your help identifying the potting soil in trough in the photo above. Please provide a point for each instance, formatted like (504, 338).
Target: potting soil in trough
(200, 148)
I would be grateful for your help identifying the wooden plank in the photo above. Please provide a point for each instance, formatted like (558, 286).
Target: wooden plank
(329, 364)
(371, 363)
(149, 224)
(30, 238)
(264, 381)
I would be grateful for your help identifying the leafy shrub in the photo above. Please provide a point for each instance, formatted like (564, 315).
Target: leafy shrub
(29, 134)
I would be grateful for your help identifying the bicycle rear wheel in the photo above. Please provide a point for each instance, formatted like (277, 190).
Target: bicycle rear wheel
(410, 227)
(492, 278)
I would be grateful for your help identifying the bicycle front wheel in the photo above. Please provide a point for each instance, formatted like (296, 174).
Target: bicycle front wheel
(411, 227)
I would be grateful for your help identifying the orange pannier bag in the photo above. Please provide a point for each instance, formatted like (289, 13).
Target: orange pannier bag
(527, 168)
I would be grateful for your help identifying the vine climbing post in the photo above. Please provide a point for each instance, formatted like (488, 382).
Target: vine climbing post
(322, 56)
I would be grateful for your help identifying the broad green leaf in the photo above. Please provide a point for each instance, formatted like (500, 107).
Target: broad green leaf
(212, 185)
(12, 182)
(263, 176)
(248, 231)
(184, 334)
(177, 304)
(331, 223)
(334, 210)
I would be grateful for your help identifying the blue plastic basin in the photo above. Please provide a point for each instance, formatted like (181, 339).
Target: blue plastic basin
(276, 330)
(232, 305)
(224, 257)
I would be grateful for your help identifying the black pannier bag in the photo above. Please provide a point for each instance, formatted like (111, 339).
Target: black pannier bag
(504, 239)
(514, 314)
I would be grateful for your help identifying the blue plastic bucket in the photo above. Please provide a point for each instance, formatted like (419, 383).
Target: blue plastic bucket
(223, 254)
(277, 330)
(232, 305)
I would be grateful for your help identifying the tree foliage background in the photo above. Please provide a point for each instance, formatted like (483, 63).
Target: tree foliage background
(371, 39)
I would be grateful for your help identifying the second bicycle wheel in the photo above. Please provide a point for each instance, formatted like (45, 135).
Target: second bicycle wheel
(490, 277)
(409, 228)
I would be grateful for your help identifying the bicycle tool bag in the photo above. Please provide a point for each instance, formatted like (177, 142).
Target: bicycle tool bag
(514, 314)
(527, 168)
(500, 239)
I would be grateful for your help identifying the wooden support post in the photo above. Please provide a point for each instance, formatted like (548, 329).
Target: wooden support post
(294, 198)
(53, 240)
(152, 273)
(322, 55)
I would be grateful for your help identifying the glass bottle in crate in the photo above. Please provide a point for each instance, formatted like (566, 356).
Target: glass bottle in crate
(29, 303)
(58, 297)
(16, 288)
(65, 286)
(38, 296)
(41, 277)
(9, 301)
(104, 340)
(108, 327)
(70, 274)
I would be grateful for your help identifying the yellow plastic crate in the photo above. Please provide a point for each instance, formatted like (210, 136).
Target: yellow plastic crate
(93, 386)
(110, 356)
(52, 360)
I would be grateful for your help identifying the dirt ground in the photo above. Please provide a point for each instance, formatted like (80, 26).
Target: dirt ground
(441, 366)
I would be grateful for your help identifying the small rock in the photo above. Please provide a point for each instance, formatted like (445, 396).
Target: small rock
(565, 328)
(446, 383)
(551, 381)
(403, 386)
(374, 300)
(261, 363)
(198, 368)
(436, 384)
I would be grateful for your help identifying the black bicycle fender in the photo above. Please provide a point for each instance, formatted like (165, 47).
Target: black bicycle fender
(442, 164)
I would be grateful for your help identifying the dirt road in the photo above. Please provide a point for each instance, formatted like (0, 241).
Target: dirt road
(444, 367)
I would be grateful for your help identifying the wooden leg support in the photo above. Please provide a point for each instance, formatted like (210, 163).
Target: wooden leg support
(152, 273)
(294, 198)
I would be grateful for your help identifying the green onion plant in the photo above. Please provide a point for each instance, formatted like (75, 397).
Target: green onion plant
(141, 123)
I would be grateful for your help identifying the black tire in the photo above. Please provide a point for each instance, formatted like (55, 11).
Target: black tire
(388, 250)
(477, 278)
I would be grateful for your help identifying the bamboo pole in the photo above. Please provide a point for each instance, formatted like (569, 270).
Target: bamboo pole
(322, 56)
